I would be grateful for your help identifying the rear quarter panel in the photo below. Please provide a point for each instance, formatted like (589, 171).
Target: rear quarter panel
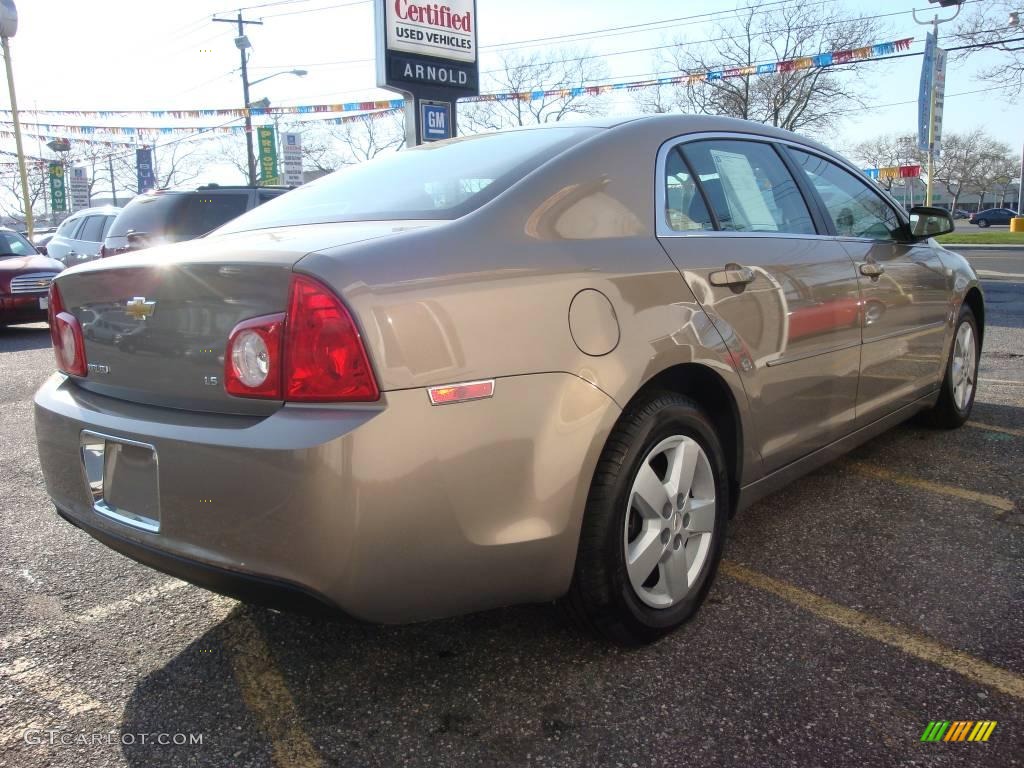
(488, 295)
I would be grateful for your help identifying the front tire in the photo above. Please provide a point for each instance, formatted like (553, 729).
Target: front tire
(982, 223)
(654, 523)
(959, 385)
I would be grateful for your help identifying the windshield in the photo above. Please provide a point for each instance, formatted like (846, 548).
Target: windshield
(432, 181)
(12, 244)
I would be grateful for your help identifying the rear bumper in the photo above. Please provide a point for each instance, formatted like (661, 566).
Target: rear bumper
(399, 511)
(22, 308)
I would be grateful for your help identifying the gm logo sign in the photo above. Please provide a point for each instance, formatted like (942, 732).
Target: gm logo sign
(435, 120)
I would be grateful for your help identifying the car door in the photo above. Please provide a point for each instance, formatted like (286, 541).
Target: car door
(89, 236)
(904, 286)
(63, 240)
(742, 234)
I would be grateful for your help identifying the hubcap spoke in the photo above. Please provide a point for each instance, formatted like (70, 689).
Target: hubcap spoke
(684, 462)
(675, 574)
(649, 494)
(643, 555)
(702, 516)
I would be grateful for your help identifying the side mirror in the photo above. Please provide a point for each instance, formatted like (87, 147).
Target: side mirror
(928, 222)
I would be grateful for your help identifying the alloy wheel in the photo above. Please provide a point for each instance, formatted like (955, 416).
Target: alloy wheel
(670, 522)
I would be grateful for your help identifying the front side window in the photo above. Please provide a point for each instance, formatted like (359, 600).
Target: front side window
(685, 210)
(855, 208)
(749, 187)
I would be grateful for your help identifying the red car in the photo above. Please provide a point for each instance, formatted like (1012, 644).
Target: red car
(25, 277)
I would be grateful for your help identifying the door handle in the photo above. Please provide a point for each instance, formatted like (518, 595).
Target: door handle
(872, 270)
(733, 274)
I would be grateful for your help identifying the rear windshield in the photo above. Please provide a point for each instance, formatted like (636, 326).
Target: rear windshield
(432, 181)
(173, 217)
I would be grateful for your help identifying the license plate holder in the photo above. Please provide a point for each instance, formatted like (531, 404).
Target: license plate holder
(122, 478)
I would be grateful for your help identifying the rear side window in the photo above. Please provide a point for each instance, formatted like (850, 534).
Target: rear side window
(92, 230)
(685, 210)
(748, 187)
(205, 211)
(855, 208)
(146, 214)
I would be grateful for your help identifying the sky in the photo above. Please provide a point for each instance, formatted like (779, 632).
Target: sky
(141, 54)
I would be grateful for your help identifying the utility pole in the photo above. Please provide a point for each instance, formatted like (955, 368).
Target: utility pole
(242, 43)
(113, 186)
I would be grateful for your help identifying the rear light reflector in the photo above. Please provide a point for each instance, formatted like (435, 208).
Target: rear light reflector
(253, 363)
(459, 393)
(66, 334)
(325, 359)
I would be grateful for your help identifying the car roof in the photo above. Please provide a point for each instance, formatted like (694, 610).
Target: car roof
(679, 125)
(102, 209)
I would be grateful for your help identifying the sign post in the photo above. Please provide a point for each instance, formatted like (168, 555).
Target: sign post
(144, 170)
(58, 199)
(428, 53)
(268, 155)
(291, 149)
(79, 188)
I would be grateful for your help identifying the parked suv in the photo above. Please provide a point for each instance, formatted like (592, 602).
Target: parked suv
(172, 215)
(80, 236)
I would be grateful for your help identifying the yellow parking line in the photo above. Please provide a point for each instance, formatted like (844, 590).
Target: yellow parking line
(266, 695)
(996, 502)
(994, 428)
(910, 643)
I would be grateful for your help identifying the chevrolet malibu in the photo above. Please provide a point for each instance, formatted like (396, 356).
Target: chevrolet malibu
(544, 364)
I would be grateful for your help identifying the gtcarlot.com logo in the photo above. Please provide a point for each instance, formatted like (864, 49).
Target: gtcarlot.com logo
(958, 730)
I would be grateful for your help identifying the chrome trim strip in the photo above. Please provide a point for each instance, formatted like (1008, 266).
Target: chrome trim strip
(907, 331)
(812, 353)
(27, 283)
(661, 227)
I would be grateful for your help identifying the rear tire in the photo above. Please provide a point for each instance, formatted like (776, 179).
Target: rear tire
(959, 385)
(666, 440)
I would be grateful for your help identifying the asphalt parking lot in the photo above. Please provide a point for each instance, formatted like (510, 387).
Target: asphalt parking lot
(880, 593)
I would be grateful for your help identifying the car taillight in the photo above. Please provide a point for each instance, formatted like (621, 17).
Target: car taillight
(252, 365)
(324, 355)
(311, 354)
(66, 334)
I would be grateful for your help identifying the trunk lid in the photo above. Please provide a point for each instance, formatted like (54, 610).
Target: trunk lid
(156, 322)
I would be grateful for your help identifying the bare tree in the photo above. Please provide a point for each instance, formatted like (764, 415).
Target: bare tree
(355, 141)
(798, 98)
(969, 162)
(12, 203)
(987, 24)
(568, 71)
(886, 151)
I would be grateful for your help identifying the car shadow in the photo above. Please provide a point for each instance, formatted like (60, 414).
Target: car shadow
(19, 338)
(362, 694)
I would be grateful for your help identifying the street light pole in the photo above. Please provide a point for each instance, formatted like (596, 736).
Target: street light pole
(243, 44)
(8, 28)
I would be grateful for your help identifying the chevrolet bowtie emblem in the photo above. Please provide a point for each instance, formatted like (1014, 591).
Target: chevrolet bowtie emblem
(139, 308)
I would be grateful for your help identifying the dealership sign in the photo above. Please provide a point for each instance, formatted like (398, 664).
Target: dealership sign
(428, 52)
(291, 151)
(79, 188)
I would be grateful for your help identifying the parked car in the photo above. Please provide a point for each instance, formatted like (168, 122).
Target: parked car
(172, 215)
(960, 213)
(514, 367)
(80, 236)
(41, 241)
(25, 277)
(992, 216)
